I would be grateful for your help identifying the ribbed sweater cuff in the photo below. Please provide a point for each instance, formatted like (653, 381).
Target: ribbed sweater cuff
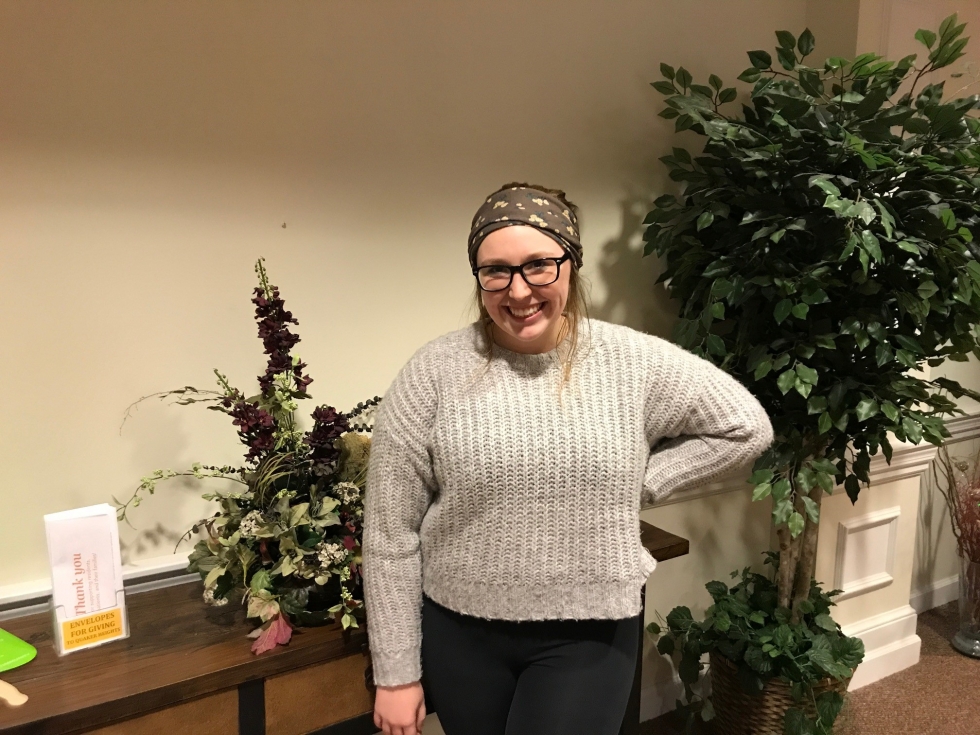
(400, 667)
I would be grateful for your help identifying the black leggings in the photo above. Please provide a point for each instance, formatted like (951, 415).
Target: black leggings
(535, 677)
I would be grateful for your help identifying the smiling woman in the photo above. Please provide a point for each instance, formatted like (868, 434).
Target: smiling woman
(521, 224)
(502, 559)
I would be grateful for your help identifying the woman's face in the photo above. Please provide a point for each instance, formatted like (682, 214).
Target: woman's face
(516, 329)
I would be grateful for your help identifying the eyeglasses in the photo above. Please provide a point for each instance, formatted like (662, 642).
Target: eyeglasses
(537, 272)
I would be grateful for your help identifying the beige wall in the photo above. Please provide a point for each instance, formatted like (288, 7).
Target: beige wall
(150, 152)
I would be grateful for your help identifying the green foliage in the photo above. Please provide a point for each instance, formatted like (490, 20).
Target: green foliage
(824, 249)
(746, 625)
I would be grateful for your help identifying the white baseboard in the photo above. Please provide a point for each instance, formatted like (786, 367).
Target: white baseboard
(890, 645)
(938, 593)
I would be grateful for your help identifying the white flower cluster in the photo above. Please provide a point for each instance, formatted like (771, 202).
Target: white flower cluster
(347, 492)
(330, 553)
(210, 599)
(250, 524)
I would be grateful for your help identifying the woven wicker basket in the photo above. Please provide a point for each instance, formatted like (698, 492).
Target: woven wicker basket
(739, 713)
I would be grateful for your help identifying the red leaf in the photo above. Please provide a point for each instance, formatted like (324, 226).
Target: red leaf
(277, 634)
(349, 542)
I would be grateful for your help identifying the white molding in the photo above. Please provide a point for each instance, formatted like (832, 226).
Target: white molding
(890, 645)
(908, 460)
(848, 528)
(940, 592)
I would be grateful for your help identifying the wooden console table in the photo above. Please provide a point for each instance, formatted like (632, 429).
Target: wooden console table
(188, 668)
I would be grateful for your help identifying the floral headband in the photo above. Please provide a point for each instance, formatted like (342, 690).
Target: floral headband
(522, 205)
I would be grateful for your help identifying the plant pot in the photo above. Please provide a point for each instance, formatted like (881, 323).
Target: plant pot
(738, 712)
(967, 638)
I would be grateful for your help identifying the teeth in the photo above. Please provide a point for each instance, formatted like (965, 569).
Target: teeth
(527, 312)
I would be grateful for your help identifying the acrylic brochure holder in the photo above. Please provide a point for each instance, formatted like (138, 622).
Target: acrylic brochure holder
(88, 603)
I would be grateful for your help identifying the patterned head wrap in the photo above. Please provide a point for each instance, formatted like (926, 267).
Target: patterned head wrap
(523, 205)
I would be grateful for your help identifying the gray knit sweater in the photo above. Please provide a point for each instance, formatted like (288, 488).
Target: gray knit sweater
(501, 502)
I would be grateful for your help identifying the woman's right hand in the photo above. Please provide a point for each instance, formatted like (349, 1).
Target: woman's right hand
(399, 710)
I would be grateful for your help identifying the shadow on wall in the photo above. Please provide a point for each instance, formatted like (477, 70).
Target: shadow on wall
(157, 433)
(632, 296)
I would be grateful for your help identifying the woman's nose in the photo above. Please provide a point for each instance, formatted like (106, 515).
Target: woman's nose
(518, 287)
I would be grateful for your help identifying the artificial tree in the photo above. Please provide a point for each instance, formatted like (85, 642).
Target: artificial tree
(823, 253)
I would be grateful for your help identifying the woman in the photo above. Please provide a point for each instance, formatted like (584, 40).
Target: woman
(501, 554)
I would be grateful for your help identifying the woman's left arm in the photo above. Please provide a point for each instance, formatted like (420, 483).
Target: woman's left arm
(720, 427)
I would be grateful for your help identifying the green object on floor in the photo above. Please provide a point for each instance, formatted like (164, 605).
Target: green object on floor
(14, 652)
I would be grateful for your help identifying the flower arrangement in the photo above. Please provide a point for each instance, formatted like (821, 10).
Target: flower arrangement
(958, 479)
(289, 542)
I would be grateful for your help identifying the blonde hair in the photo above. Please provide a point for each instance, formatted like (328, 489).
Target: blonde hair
(576, 308)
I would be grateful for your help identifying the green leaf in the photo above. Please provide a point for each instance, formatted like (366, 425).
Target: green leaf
(890, 410)
(782, 310)
(812, 509)
(821, 182)
(806, 43)
(948, 218)
(761, 491)
(781, 512)
(816, 404)
(787, 59)
(683, 78)
(826, 622)
(760, 59)
(760, 476)
(927, 289)
(826, 481)
(718, 310)
(816, 296)
(800, 311)
(762, 369)
(667, 70)
(824, 423)
(927, 38)
(781, 490)
(786, 380)
(750, 75)
(665, 646)
(870, 243)
(716, 345)
(917, 125)
(796, 524)
(786, 39)
(727, 95)
(665, 88)
(260, 581)
(807, 374)
(803, 388)
(705, 220)
(715, 81)
(866, 409)
(883, 354)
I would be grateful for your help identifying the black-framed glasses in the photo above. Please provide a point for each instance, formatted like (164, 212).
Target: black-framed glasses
(537, 272)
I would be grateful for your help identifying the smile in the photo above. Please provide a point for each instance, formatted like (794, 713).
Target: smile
(525, 313)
